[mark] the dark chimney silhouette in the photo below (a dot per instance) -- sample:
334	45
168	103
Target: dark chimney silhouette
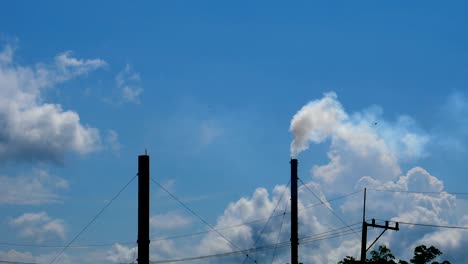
294	231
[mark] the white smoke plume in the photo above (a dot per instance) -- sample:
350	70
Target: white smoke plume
315	122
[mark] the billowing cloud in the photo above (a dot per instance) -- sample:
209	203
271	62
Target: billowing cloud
120	253
39	226
39	187
31	129
361	154
365	151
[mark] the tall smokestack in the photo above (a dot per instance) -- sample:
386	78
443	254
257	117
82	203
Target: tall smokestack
294	231
143	209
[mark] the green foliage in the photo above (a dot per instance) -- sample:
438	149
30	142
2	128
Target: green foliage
423	255
349	260
383	255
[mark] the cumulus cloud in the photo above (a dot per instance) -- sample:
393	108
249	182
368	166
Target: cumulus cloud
367	151
31	129
39	187
120	253
361	154
128	83
39	226
159	250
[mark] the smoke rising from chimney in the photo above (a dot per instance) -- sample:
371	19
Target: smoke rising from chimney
315	122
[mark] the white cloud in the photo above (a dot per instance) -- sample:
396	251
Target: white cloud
159	250
25	256
6	57
39	226
170	220
37	188
67	67
128	83
362	154
120	253
31	129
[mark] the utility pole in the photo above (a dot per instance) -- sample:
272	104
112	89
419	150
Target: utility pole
364	230
364	247
143	208
294	224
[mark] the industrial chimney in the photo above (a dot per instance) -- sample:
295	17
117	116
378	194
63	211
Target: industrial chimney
294	231
143	208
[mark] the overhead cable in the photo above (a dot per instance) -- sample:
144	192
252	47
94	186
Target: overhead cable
198	216
80	246
268	221
306	240
93	219
334	213
421	192
430	225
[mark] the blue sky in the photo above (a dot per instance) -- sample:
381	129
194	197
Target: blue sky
210	88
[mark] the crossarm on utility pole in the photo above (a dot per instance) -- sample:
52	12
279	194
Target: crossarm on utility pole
367	249
364	235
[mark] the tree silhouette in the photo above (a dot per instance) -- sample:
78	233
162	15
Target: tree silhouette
383	255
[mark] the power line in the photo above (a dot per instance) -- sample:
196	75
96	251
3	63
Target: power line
254	221
334	235
268	221
333	230
279	235
309	239
329	200
335	214
78	246
16	262
93	219
251	222
403	191
431	225
198	216
62	246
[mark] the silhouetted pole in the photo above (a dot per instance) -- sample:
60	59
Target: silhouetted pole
294	231
385	227
364	230
143	209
